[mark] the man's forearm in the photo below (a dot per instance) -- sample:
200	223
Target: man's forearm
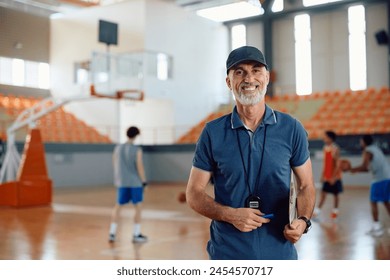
306	201
208	207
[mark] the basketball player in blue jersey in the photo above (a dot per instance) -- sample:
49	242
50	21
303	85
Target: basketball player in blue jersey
375	161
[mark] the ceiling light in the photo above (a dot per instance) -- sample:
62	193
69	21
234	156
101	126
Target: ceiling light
232	11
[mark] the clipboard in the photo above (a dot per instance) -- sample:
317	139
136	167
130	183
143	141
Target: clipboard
293	214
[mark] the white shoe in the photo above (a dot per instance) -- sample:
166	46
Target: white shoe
316	215
376	232
139	238
316	219
316	212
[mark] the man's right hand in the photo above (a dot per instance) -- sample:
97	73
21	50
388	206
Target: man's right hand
247	219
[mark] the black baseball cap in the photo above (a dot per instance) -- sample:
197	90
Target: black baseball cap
245	53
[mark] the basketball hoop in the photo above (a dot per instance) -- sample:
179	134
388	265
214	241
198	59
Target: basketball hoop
132	94
129	94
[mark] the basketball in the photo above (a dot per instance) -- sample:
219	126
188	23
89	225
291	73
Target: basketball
345	165
182	197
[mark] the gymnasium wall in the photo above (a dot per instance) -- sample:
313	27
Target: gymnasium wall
75	36
79	165
33	35
198	48
330	62
91	165
154	117
24	91
377	65
255	35
73	39
86	165
330	58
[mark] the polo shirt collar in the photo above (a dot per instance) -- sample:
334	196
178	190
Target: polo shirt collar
269	118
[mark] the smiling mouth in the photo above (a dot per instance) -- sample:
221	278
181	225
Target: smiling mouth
249	88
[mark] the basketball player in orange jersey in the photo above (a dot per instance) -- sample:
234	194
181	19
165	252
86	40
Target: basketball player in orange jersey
331	174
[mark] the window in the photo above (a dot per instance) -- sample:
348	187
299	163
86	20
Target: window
302	33
277	6
357	48
24	73
238	35
44	76
81	73
162	66
18	72
33	69
5	71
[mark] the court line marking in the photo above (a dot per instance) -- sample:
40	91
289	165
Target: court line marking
147	214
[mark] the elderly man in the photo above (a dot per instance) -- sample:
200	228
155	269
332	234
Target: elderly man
248	155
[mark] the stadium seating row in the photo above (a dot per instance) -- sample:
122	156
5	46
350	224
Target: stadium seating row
57	126
346	113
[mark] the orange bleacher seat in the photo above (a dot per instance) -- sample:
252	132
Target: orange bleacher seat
347	92
384	90
361	93
336	94
16	103
327	94
26	103
315	134
314	95
5	102
286	97
371	91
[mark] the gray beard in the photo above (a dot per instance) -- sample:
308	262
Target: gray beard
248	100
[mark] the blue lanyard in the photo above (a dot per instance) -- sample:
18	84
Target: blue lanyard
243	162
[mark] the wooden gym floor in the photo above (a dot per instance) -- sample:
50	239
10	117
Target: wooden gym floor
75	227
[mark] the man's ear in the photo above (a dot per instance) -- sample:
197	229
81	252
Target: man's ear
268	77
228	82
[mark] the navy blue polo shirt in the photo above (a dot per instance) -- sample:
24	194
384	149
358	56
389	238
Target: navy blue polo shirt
218	151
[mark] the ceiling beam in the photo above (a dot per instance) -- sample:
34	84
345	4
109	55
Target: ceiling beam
82	3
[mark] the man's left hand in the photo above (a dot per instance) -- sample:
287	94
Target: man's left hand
294	231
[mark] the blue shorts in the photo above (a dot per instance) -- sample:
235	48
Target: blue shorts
130	194
380	191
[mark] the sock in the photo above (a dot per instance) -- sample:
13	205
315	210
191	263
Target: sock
137	229
113	228
335	210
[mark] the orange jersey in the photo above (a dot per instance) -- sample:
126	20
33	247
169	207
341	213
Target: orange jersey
331	170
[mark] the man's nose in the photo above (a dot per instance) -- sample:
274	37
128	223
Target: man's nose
249	77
